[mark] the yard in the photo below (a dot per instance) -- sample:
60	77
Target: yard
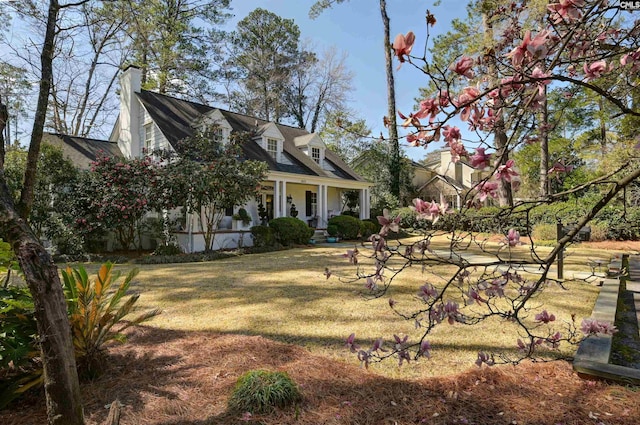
278	311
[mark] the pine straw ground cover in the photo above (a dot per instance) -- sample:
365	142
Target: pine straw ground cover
185	378
226	317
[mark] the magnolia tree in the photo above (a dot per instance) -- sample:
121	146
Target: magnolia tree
500	95
216	177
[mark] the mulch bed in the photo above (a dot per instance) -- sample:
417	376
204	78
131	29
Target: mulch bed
184	378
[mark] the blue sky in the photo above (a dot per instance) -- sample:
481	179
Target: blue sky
355	26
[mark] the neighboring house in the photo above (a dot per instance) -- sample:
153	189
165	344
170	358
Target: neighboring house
443	177
302	171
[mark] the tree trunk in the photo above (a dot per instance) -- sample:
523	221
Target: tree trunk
394	160
61	385
505	195
62	389
544	149
46	64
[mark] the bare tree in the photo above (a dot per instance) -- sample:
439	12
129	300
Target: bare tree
318	87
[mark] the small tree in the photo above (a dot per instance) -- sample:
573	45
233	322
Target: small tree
122	193
216	177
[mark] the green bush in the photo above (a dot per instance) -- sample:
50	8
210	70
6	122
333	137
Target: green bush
289	230
19	351
261	391
263	236
97	313
348	227
332	230
544	232
369	227
168	249
196	257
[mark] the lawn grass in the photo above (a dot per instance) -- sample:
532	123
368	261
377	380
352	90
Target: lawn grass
285	296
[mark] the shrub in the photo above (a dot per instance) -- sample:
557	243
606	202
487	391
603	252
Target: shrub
408	218
263	236
243	215
348	227
19	351
544	232
169	249
95	311
261	391
368	227
289	230
332	230
598	231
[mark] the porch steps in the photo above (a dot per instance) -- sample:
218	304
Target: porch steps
319	236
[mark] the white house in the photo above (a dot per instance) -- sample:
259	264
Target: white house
301	170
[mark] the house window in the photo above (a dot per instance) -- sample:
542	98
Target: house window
315	154
148	137
272	147
218	134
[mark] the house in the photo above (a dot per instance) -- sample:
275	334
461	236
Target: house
301	170
441	177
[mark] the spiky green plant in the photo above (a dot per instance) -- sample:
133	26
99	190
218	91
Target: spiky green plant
97	312
261	391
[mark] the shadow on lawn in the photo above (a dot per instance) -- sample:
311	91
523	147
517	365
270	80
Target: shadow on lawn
166	377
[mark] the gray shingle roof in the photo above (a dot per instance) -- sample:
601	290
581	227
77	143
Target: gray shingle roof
176	118
81	150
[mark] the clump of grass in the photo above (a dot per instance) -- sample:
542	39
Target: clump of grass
261	391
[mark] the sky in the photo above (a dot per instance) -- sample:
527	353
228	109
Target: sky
355	27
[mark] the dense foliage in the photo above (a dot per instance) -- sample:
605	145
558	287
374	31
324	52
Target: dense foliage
289	230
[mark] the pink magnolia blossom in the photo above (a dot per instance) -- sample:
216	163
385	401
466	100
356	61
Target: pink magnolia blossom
486	189
506	172
463	67
480	159
428	108
595	70
566	10
427	291
458	150
411	119
402	46
425	349
388	224
352	255
484	358
351	345
545	317
558	167
451	133
513	238
592	327
474	296
530	48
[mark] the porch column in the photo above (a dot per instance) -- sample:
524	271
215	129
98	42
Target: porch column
322	205
363	203
276	199
283	198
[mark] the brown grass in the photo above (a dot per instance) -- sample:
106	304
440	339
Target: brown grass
182	377
277	311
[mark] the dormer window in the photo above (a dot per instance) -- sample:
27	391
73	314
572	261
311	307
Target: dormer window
315	155
218	135
272	147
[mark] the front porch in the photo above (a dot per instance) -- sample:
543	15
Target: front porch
313	202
